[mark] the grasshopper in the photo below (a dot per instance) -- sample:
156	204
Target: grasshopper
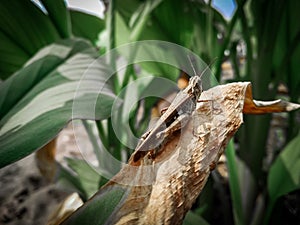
174	118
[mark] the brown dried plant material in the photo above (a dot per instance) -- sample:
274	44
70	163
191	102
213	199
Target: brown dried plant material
45	160
70	204
183	165
260	107
162	188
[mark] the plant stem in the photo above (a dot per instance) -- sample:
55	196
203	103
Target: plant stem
111	29
247	38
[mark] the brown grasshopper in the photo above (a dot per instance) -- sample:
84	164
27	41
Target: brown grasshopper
174	118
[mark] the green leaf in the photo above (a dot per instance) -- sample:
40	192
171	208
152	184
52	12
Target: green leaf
208	24
86	179
127	8
284	175
86	26
100	209
234	183
293	50
152	20
42	64
12	56
192	218
24	29
287	50
59	15
38	101
180	29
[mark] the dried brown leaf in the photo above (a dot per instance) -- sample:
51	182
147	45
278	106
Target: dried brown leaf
260	107
162	188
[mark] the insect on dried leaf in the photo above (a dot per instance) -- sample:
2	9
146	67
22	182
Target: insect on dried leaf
174	118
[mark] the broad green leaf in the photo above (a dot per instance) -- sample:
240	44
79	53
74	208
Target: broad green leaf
24	29
284	175
242	186
100	209
127	8
86	26
153	22
86	179
42	64
38	101
180	30
121	28
287	49
140	18
12	56
158	15
208	25
59	15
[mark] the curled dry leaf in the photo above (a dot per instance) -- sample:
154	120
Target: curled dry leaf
161	189
260	107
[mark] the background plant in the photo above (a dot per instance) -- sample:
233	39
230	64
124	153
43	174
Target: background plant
269	32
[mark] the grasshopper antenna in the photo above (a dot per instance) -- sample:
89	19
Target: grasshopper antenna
194	70
190	59
209	65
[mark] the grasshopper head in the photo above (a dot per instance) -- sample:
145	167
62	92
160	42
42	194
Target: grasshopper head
195	84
